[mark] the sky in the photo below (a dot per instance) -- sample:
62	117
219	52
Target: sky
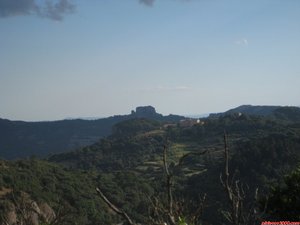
97	58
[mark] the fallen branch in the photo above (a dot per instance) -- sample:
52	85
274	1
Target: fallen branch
114	208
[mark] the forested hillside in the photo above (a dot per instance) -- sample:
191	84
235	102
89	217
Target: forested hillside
128	166
20	139
277	112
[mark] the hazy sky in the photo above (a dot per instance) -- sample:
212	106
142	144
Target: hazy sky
105	57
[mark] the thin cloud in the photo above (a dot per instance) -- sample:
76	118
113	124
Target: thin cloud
242	41
52	9
147	2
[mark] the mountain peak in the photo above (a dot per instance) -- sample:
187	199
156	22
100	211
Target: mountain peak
145	111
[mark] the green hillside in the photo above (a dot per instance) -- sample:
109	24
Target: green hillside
128	167
21	139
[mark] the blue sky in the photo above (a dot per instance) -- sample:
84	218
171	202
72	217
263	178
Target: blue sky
95	58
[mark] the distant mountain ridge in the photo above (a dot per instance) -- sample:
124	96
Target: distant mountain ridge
254	110
19	139
278	112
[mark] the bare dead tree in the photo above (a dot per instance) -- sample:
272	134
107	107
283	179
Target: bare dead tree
239	213
174	208
169	188
234	191
115	208
160	210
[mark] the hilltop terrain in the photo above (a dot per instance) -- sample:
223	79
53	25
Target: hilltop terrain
127	165
277	112
21	139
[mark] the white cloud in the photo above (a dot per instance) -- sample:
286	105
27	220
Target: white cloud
242	41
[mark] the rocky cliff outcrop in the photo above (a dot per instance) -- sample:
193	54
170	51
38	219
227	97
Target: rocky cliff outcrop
20	209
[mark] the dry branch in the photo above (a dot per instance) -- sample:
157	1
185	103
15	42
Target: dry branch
235	193
169	188
114	208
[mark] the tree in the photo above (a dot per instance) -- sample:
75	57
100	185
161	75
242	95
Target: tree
238	213
165	212
283	202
